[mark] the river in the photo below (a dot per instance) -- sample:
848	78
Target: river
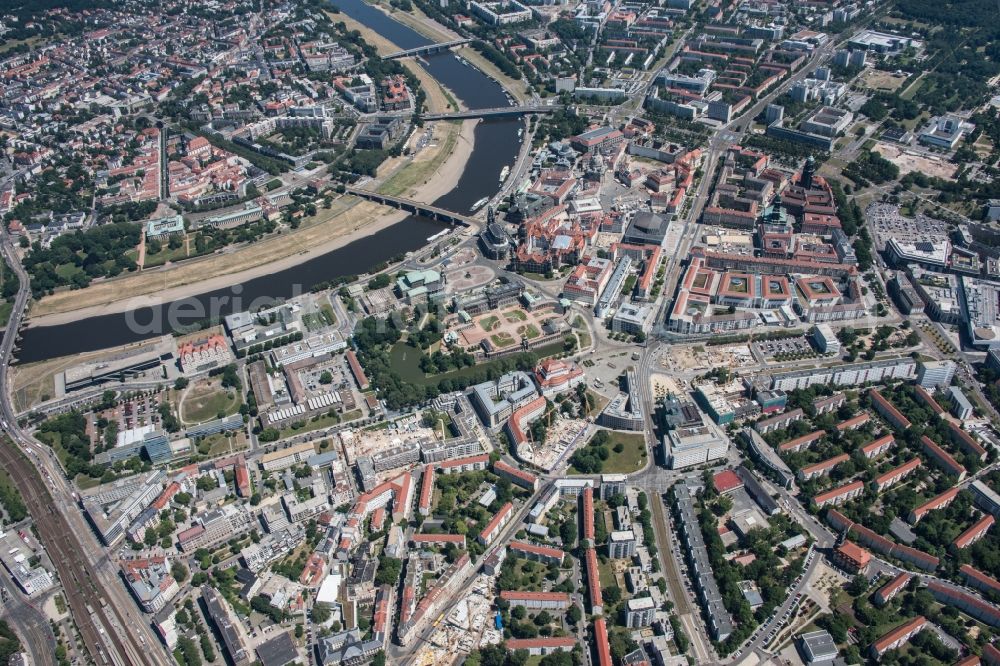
496	144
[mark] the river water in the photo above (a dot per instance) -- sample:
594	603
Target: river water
496	144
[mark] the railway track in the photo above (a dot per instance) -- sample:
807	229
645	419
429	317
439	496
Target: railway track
101	625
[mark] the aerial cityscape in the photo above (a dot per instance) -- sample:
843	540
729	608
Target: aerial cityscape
499	332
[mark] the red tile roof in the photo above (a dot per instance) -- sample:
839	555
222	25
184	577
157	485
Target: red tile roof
519	595
974	533
544	551
892	588
426	488
907	628
928	399
553	643
601	640
941	500
825	464
966	442
854	422
855	553
888	410
593	579
980	577
491	527
867	449
837	492
942	457
588	514
801	441
896	474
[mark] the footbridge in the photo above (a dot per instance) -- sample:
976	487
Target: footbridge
414	207
495	112
427	49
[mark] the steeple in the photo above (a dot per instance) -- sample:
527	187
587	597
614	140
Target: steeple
808	171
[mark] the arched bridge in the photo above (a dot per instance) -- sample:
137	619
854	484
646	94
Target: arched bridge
415	207
427	49
495	112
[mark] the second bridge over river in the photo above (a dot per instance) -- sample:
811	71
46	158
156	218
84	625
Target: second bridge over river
415	207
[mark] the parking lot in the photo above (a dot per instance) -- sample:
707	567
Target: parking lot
770	349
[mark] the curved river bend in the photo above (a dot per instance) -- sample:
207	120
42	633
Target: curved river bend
496	144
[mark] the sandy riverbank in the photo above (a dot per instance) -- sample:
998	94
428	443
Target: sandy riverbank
423	178
427	175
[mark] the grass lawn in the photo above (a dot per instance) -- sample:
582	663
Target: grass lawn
206	399
164	255
584	339
631	459
607	575
327	311
67	271
530	331
5	310
489	323
316	423
86	482
406	362
515	315
419	172
502	339
218	444
314	321
600	402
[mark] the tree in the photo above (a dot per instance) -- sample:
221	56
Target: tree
857	586
388	570
179	572
181	383
574	614
207	649
326	377
320	613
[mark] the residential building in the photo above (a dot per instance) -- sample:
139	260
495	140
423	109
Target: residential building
542	646
285	458
839	495
897	637
218	614
639	612
888	592
621	544
537	600
851	557
492	528
942	458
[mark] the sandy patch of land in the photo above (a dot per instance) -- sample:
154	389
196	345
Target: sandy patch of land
356	219
879	80
908	161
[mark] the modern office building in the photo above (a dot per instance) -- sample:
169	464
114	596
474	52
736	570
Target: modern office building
624	412
935	374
